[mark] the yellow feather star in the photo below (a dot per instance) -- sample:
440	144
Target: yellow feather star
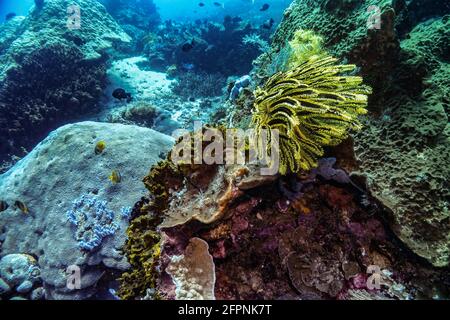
312	106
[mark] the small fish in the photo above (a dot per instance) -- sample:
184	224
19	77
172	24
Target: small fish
218	4
188	66
115	177
100	146
188	46
3	205
9	16
121	94
201	4
268	24
264	7
21	206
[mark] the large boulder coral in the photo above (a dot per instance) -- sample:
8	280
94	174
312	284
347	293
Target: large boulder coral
50	72
76	215
405	153
403	150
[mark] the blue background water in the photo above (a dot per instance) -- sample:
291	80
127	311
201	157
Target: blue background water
185	9
189	9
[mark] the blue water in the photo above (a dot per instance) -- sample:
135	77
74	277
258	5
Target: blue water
180	10
190	9
20	7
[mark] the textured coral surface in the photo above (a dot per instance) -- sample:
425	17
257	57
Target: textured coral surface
404	148
49	73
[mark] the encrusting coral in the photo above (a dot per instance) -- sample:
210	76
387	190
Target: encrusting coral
311	106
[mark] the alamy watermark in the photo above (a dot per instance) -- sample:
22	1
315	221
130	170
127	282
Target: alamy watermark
73	280
74	17
374	280
228	146
374	20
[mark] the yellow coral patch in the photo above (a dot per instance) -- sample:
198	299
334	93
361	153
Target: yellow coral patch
312	105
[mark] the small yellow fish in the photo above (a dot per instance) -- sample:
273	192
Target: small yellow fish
115	177
21	206
100	146
3	205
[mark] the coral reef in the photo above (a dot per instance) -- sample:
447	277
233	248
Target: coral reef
351	214
93	221
20	277
344	28
142	249
144	115
256	40
50	73
45	232
211	40
402	153
137	18
141	114
140	14
238	87
311	106
311	236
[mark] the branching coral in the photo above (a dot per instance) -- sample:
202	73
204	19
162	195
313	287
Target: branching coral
311	106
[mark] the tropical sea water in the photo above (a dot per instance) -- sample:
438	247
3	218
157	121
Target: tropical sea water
181	10
248	9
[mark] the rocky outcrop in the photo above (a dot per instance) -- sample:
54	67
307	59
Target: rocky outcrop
49	72
71	202
136	17
403	150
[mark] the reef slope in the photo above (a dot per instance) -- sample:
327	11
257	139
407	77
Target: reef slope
403	150
50	73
